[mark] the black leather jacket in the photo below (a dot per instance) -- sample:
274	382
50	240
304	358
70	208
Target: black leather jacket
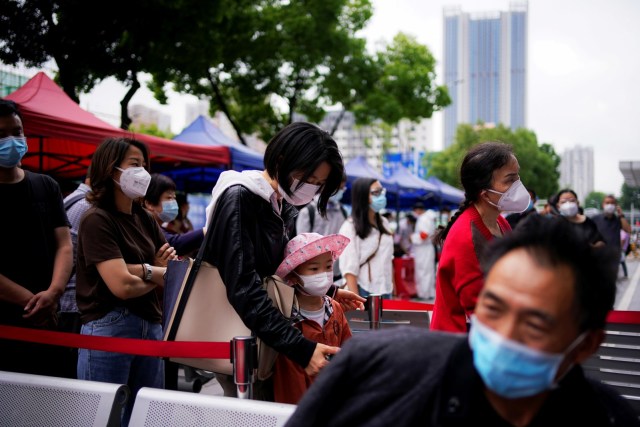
247	245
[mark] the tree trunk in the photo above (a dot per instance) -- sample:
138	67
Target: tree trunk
125	120
338	120
223	106
67	81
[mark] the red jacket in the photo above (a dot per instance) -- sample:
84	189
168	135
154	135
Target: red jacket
459	278
290	381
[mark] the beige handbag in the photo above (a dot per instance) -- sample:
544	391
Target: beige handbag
284	299
202	312
197	309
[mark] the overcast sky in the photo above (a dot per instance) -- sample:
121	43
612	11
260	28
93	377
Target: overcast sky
584	73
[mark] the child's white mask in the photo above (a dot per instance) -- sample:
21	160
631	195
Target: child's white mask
316	284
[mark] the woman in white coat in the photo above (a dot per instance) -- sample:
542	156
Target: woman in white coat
367	261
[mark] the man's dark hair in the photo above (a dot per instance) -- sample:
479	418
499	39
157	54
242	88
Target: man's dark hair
557	243
9	108
301	147
157	186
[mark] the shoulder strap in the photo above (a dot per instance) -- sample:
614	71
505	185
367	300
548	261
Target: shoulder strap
73	200
36	183
374	252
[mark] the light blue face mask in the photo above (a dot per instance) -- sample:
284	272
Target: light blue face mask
169	211
378	202
510	369
12	149
338	196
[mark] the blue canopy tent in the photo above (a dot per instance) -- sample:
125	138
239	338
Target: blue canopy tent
411	189
203	131
450	196
359	168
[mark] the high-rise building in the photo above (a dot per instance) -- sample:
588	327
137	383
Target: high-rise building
143	115
576	171
485	67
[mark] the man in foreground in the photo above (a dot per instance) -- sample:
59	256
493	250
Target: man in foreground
540	314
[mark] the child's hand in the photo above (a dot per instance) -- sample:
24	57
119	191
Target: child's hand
349	300
319	358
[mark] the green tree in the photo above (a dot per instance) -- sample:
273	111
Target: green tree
90	41
267	60
593	200
629	195
538	163
151	129
396	83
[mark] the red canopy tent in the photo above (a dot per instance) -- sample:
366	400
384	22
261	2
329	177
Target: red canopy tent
62	136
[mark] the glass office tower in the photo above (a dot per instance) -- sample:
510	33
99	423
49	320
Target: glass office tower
485	68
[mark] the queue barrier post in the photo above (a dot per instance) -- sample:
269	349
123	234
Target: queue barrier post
244	356
374	308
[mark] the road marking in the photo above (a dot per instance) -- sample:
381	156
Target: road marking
625	302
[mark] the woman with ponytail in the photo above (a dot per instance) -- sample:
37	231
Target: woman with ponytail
491	181
367	261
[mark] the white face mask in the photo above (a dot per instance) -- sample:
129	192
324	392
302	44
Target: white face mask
300	196
515	199
568	209
134	182
609	208
316	285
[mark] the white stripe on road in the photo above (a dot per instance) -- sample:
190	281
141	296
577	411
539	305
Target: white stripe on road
625	302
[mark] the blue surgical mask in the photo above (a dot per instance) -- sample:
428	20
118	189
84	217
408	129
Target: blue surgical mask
338	196
378	202
510	369
12	149
169	211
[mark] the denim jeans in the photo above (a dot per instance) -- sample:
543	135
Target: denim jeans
364	293
134	371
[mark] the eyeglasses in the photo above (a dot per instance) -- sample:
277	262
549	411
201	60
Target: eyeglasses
378	192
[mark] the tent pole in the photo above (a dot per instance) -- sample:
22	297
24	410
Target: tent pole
41	159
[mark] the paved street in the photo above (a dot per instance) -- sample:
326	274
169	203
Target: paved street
628	295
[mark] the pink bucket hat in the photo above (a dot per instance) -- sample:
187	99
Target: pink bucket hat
306	246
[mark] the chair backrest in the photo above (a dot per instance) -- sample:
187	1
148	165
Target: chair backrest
617	361
36	400
154	407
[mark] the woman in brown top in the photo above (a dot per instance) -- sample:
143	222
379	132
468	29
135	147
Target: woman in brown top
122	255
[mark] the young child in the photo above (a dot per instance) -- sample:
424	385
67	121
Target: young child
308	267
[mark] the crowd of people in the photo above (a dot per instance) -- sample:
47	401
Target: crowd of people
520	297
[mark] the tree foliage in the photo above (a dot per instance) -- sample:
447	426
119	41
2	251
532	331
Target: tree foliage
260	62
593	200
538	163
90	41
151	129
395	83
628	196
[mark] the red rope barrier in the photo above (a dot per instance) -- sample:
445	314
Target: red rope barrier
397	304
184	349
627	317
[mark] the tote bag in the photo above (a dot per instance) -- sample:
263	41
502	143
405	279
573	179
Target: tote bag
196	308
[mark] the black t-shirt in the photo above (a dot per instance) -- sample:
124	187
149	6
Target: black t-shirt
31	210
588	229
105	235
609	227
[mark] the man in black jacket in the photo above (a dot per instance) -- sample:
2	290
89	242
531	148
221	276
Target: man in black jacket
540	314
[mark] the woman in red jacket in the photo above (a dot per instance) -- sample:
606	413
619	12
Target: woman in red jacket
491	181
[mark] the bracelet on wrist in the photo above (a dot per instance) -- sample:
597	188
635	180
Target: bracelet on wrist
144	271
